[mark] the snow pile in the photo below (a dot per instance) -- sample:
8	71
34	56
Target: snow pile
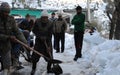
104	57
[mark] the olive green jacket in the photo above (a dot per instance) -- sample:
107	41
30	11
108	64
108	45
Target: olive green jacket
8	27
59	26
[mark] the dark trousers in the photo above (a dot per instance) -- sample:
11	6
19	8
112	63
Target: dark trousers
60	37
78	39
27	36
54	42
41	48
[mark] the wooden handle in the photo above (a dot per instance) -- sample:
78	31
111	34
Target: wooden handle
29	48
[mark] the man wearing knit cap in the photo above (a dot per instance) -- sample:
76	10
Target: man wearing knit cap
43	32
8	33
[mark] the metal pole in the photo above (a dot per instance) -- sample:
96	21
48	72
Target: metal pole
88	10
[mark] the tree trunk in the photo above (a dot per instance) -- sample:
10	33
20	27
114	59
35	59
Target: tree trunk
115	22
112	25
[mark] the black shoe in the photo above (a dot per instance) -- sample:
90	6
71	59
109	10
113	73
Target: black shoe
29	60
75	58
62	51
49	71
19	67
57	51
80	56
1	70
32	72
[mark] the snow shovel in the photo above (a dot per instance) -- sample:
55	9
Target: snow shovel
29	48
56	67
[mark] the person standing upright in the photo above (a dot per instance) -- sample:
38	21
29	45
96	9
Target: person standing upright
78	22
59	29
53	19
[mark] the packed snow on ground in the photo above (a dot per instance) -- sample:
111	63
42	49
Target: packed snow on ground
100	57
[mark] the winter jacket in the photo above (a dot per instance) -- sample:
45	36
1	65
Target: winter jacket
43	32
52	19
59	26
41	29
8	28
78	22
26	25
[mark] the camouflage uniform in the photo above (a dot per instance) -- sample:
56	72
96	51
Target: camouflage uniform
8	27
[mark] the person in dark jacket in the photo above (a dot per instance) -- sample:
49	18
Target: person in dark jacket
26	26
78	22
59	29
53	19
43	32
7	28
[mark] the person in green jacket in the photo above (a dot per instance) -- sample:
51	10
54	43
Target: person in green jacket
78	22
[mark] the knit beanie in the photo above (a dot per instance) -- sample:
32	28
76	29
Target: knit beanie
4	7
44	13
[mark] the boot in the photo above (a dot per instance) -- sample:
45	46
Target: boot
6	72
75	58
49	70
33	68
32	72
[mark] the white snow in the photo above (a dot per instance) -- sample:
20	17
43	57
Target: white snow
100	56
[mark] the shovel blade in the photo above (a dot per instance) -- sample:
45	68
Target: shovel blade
55	61
57	70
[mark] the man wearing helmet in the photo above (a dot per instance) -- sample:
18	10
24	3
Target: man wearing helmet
8	33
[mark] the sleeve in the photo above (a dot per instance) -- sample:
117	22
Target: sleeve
54	27
78	20
4	37
65	25
73	20
49	38
19	35
35	29
21	24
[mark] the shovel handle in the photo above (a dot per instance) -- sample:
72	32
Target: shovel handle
29	48
49	51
